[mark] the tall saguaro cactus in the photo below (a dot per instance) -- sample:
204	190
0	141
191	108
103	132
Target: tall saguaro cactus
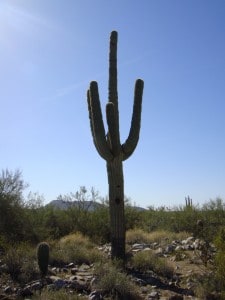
109	146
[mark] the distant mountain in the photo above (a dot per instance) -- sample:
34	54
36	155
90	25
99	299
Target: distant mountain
85	205
138	208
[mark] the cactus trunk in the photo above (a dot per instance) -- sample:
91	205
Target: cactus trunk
116	207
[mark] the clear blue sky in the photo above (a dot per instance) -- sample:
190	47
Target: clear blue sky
49	52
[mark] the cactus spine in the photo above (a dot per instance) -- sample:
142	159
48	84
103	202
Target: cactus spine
109	146
43	257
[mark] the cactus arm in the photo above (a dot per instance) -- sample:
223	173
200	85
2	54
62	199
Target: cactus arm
113	137
90	117
112	86
113	95
97	126
132	140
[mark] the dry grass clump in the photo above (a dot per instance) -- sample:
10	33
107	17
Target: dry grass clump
145	261
137	236
75	238
113	283
74	248
160	236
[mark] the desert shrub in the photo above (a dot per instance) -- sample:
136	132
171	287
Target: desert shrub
220	258
207	287
97	225
160	236
13	260
76	239
21	263
137	236
145	261
74	248
114	283
4	245
133	217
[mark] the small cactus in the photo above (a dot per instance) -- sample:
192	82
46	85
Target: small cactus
43	257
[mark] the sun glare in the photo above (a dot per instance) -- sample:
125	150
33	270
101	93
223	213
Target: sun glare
17	23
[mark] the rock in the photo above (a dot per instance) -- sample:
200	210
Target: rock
25	292
144	290
74	271
154	295
155	245
95	295
84	268
159	251
169	249
58	283
70	265
36	285
8	290
176	297
179	248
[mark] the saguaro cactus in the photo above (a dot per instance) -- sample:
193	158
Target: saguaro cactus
109	146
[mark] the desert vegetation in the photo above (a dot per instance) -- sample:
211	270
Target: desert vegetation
42	244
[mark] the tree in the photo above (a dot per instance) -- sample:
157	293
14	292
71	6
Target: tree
11	203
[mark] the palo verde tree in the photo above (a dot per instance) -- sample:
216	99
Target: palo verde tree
109	146
12	222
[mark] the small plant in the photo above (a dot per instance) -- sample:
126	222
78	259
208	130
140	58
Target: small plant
114	283
13	260
43	257
57	295
145	261
207	287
